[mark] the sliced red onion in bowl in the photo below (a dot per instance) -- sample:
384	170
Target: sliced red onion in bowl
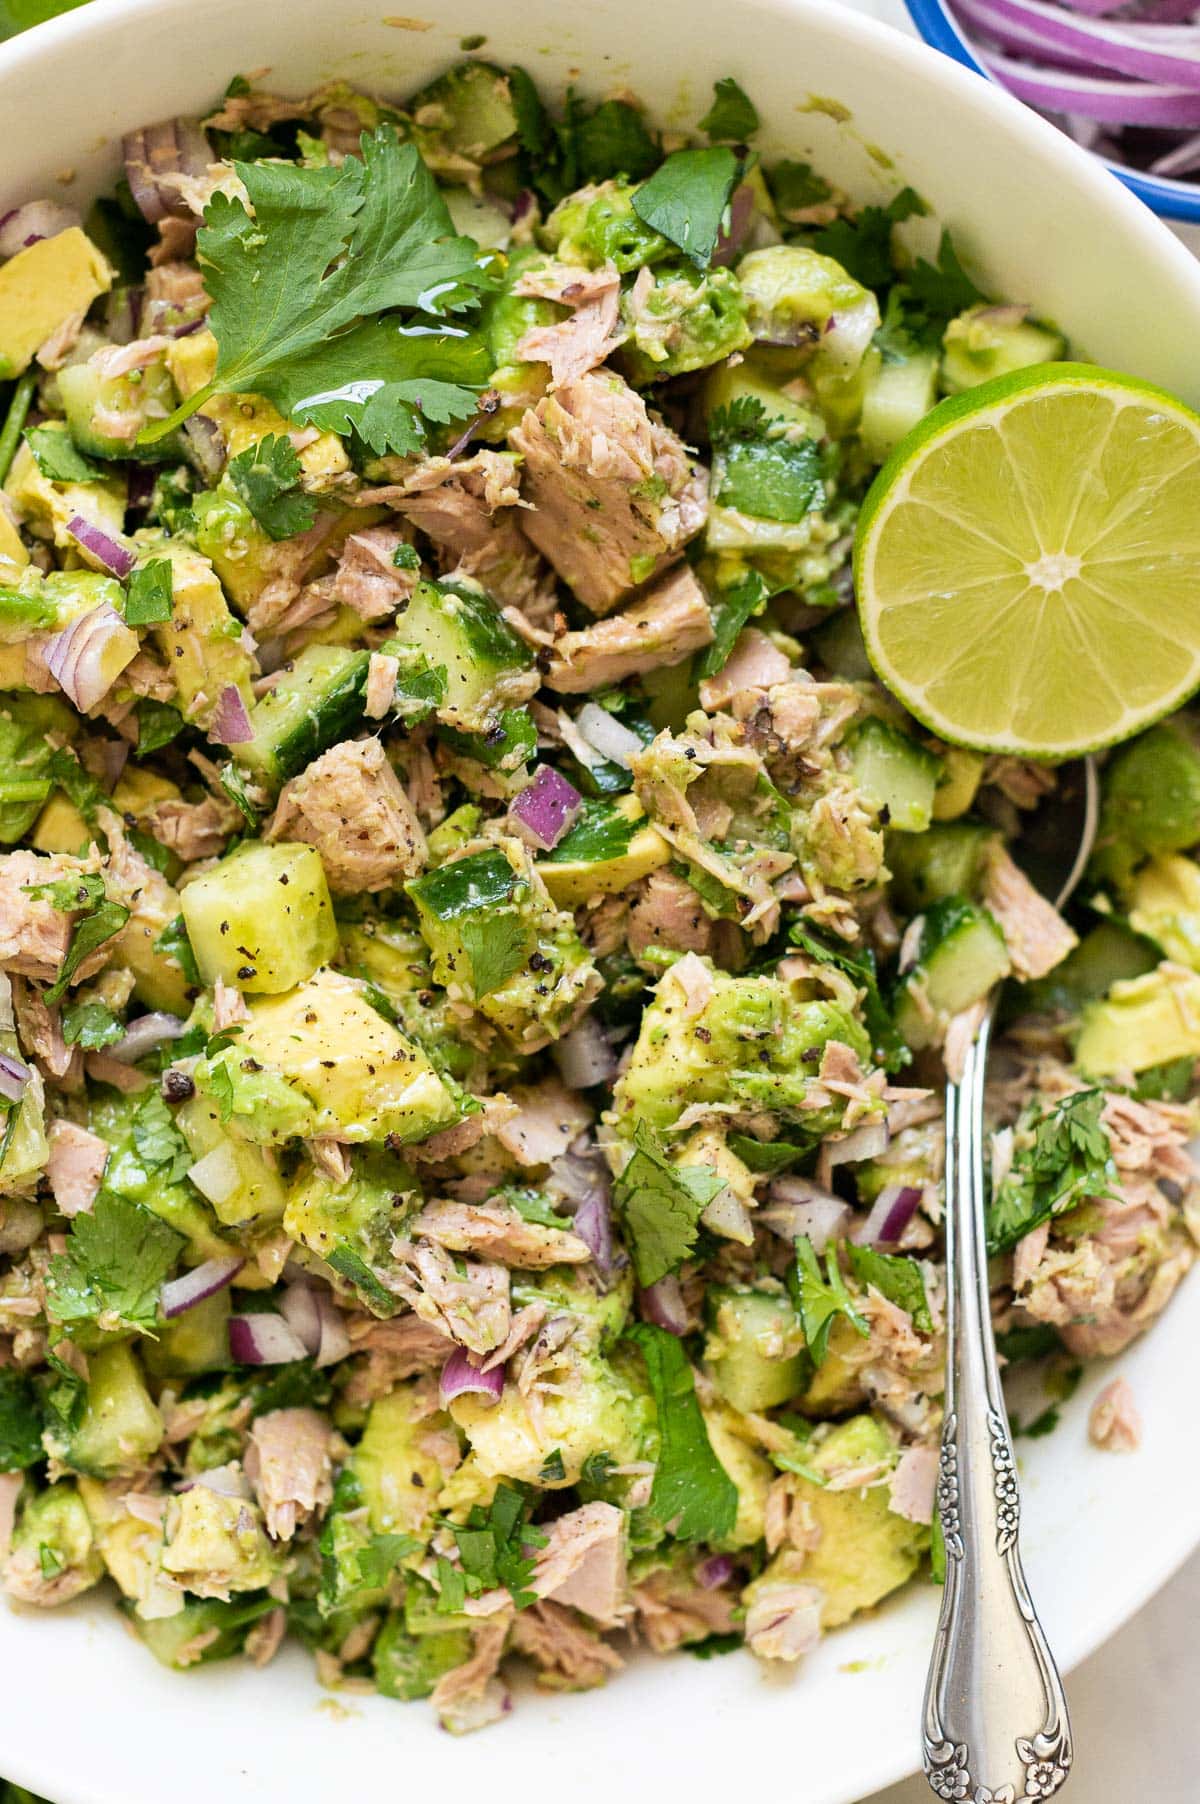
144	1035
334	1343
606	733
663	1305
890	1214
460	1377
30	223
585	1056
263	1340
194	1286
155	153
87	657
1151	53
231	718
116	557
300	1310
1112	102
864	1142
545	809
13	1077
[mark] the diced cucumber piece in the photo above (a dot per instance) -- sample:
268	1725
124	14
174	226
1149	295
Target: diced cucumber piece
896	398
963	955
239	1181
895	774
989	341
1110	953
262	920
487	666
139	398
121	1428
317	702
469	108
205	1629
838	643
761	376
756	1350
611	846
196	1341
409	1666
461	906
947	860
508	743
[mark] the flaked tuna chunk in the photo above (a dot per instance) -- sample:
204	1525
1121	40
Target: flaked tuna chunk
1038	937
583	1562
1115	1422
288	1463
575	345
76	1166
615	496
754	665
666	912
469	509
668	623
34	935
568	1656
350	805
496	1231
366	580
192	829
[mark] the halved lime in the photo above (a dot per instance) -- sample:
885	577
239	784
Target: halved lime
1028	562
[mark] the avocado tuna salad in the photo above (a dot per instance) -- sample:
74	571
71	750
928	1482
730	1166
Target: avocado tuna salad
480	954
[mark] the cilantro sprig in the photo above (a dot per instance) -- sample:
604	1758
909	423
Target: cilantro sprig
692	1494
113	1269
1063	1157
661	1205
97	919
820	1301
686	198
266	476
300	278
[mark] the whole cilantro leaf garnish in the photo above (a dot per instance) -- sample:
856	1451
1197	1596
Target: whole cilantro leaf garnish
58	458
943	288
157	1141
692	1493
686	198
266	475
113	1269
497	947
1063	1157
319	254
743	417
736	605
150	597
821	1300
733	116
661	1205
91	1025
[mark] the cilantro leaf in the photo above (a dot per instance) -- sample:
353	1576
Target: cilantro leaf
896	1277
323	251
20	1422
77	784
493	1546
686	197
265	476
382	1554
613	141
736	605
383	385
820	1301
944	288
732	116
858	963
405	557
497	947
796	187
692	1495
863	246
157	1141
771	479
173	943
158	724
150	597
97	919
90	1025
58	458
553	1471
116	1260
221	1087
1063	1156
661	1205
743	417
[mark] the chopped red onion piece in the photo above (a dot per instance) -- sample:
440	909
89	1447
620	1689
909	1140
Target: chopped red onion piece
301	1311
156	153
193	1287
545	809
231	720
1183	160
79	658
460	1377
741	213
117	558
865	1142
604	731
334	1343
891	1213
205	445
585	1056
523	204
584	1186
144	1034
13	1077
728	1216
263	1340
463	440
663	1304
798	1206
36	220
715	1571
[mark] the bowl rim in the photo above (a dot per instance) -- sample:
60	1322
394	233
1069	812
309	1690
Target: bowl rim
941	31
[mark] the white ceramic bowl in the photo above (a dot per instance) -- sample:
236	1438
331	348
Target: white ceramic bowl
88	1717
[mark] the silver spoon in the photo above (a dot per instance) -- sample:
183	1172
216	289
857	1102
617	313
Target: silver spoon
996	1728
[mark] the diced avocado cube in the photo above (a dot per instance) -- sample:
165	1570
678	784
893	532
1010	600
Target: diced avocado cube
895	775
25	754
611	846
1164	904
261	920
195	1342
409	1666
14	557
487	666
962	956
603	1410
202	643
351	1226
121	1428
240	1181
755	1349
46	507
598	225
54	1540
110	1115
1143	1021
988	341
958	785
759	1048
946	861
41	287
688	320
27	1149
762	376
400	1476
792	294
1150	800
896	398
364	1081
214	1544
316	703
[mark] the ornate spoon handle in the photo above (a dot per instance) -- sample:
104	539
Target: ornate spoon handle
996	1728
